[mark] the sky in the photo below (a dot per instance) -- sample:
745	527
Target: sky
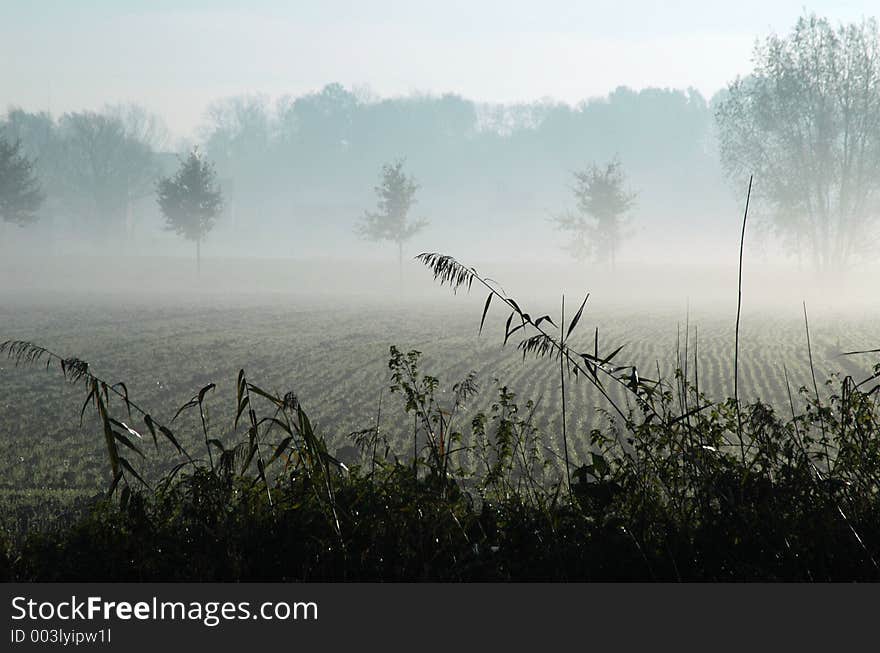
176	57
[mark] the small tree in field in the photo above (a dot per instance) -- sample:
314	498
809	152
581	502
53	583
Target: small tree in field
396	197
191	200
602	205
20	192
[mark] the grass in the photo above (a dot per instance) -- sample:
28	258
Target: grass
450	480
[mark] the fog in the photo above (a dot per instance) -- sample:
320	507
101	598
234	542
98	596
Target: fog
462	290
496	174
298	176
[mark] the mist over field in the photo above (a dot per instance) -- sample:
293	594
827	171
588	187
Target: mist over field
506	187
238	217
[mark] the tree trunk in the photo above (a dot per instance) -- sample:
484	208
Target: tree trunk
5	238
400	263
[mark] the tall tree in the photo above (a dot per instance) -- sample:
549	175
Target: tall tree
20	192
240	139
390	221
190	200
806	123
141	125
41	143
149	131
105	168
602	206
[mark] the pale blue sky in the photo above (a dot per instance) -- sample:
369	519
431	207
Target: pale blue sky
175	57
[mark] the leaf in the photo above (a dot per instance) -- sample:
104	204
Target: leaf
281	447
608	358
507	327
596	345
275	400
192	403
512	331
168	434
124	397
116	478
131	470
125	426
277	422
333	461
149	422
128	443
205	391
855	353
86	405
485	310
544	318
241	406
239	387
110	441
576	317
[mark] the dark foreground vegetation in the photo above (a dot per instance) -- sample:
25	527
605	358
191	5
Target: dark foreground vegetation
678	487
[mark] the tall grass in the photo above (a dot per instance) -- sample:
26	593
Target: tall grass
676	485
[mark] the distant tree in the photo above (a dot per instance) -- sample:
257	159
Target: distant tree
320	123
150	132
306	156
238	135
240	139
40	142
141	125
20	191
390	222
602	204
806	123
105	168
191	200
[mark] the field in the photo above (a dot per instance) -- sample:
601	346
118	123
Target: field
668	488
334	355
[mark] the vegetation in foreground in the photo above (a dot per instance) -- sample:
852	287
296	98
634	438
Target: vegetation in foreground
677	487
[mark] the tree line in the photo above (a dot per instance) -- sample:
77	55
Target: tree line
805	122
313	161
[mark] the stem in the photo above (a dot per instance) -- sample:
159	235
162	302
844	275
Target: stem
400	264
562	380
816	390
742	241
376	436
